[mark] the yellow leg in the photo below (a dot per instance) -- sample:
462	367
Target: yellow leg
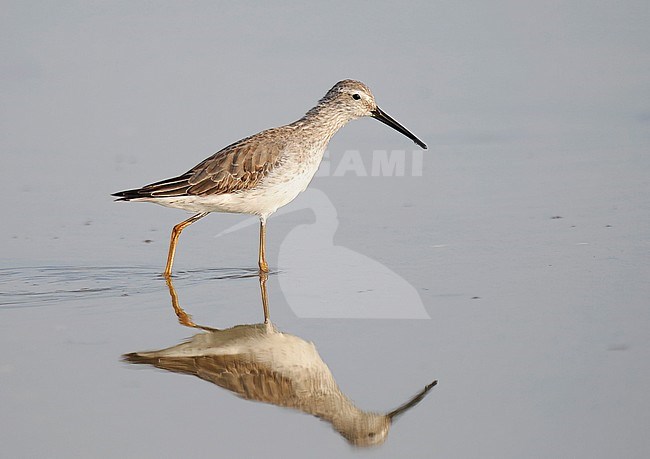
265	298
264	267
176	232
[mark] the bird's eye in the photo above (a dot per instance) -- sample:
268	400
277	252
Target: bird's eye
356	96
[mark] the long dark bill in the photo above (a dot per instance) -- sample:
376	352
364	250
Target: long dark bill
411	403
380	115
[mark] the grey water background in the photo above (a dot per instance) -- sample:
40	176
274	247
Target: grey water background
527	236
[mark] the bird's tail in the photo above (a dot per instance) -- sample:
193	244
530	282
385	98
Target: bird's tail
128	195
175	186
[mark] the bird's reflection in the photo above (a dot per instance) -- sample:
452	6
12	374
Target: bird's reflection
259	362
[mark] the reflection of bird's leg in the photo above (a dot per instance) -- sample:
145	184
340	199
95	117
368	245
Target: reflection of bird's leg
176	232
265	298
264	267
183	317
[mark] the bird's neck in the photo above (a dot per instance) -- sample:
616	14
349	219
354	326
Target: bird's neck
333	407
323	121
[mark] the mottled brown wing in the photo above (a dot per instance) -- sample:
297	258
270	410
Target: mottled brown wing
249	380
239	166
237	374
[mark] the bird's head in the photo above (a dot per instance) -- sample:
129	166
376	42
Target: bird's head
356	100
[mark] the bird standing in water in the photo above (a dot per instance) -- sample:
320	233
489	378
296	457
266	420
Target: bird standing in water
263	172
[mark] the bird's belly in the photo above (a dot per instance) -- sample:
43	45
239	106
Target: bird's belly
275	192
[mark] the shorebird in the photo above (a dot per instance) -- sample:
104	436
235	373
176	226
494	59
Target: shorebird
263	172
258	362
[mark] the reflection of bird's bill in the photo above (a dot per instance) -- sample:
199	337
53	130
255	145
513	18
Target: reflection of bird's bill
411	403
382	116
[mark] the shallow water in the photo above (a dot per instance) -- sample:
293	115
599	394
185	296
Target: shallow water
511	265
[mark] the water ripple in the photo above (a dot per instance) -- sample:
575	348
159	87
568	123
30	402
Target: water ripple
46	285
